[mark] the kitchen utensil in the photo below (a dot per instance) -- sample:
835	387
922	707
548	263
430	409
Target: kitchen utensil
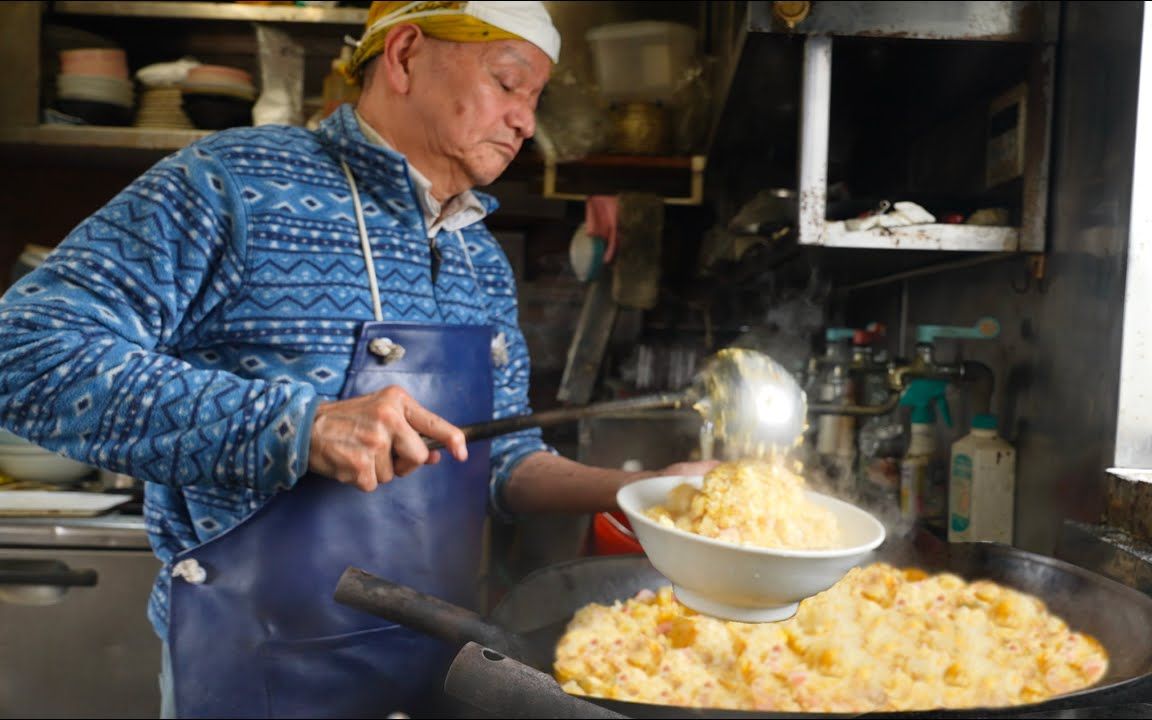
753	403
737	582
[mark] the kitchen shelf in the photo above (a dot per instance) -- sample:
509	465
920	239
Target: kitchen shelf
216	11
678	179
85	136
947	159
974	238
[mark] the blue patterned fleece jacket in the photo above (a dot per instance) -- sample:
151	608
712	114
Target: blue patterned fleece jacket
185	332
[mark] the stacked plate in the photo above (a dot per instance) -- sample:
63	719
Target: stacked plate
94	86
160	107
22	460
216	97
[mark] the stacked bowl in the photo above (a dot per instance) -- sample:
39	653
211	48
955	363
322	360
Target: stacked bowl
94	85
21	460
216	97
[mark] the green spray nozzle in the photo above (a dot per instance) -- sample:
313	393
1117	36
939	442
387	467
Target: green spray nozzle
984	329
838	334
921	395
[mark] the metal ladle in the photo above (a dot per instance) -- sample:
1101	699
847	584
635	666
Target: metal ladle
752	402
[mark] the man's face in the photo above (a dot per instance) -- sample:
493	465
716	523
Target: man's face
478	102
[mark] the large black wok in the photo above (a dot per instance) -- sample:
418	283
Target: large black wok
530	619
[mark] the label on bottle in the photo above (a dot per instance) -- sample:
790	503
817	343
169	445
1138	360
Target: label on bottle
961	510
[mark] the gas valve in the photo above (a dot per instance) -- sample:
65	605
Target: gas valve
791	13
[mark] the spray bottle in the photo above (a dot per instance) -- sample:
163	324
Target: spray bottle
924	480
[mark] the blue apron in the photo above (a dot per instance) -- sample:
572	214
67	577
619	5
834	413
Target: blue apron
254	631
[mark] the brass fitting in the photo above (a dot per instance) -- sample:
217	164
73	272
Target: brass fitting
791	13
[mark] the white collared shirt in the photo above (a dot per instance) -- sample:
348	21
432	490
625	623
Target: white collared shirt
459	212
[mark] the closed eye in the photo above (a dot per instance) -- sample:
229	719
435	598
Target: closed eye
506	83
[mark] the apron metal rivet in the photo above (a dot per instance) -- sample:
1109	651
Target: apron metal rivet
190	570
386	350
499	350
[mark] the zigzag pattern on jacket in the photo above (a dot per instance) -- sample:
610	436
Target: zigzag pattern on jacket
184	333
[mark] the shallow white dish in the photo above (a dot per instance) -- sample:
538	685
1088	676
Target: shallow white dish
735	582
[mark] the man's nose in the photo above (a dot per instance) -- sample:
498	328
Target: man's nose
522	118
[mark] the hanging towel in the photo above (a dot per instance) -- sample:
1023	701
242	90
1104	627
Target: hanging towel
600	220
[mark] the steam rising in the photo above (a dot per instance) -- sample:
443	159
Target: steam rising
755	409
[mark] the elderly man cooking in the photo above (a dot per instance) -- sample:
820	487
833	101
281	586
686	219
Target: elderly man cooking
262	327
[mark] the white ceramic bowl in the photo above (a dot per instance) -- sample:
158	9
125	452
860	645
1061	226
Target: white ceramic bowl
734	582
23	460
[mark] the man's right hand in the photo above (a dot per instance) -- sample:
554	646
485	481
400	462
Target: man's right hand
371	439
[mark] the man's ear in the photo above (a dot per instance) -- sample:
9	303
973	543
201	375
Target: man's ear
401	44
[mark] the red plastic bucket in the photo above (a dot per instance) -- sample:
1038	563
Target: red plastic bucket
612	535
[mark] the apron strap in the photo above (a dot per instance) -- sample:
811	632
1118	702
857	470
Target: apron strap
384	348
365	246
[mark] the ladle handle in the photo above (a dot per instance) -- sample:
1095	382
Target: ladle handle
494	428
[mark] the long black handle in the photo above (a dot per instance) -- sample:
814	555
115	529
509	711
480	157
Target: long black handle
501	687
493	428
45	572
430	615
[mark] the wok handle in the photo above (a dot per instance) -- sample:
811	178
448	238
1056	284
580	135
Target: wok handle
505	688
430	615
493	428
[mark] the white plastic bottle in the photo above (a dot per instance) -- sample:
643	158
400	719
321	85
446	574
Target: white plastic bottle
916	465
982	485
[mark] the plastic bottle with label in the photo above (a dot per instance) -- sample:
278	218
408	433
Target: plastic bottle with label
923	479
982	485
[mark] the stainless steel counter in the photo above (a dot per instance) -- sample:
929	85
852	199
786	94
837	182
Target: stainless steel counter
114	530
78	649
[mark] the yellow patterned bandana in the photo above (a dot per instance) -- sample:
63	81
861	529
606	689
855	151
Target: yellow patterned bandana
457	22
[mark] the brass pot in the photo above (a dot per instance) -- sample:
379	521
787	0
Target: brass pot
640	128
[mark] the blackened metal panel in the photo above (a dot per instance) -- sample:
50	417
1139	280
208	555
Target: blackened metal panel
1010	21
